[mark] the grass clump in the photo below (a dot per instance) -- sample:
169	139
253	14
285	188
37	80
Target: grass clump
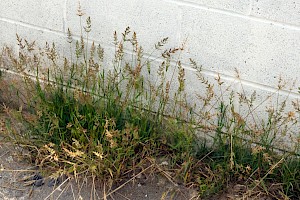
84	115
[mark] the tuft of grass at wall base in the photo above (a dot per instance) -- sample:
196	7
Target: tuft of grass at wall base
84	117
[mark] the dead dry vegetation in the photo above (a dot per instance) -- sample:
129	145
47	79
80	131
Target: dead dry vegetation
112	123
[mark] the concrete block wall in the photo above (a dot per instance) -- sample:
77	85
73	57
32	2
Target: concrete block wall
258	38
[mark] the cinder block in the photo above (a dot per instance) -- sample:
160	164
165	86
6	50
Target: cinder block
260	51
151	20
238	6
7	34
287	11
48	13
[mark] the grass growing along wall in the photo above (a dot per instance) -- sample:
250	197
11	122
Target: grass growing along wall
83	117
89	112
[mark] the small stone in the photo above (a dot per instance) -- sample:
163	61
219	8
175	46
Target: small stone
139	176
164	163
9	159
39	183
37	177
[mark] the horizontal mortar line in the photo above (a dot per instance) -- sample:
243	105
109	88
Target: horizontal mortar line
24	24
91	40
226	77
269	88
235	14
248	83
39	28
